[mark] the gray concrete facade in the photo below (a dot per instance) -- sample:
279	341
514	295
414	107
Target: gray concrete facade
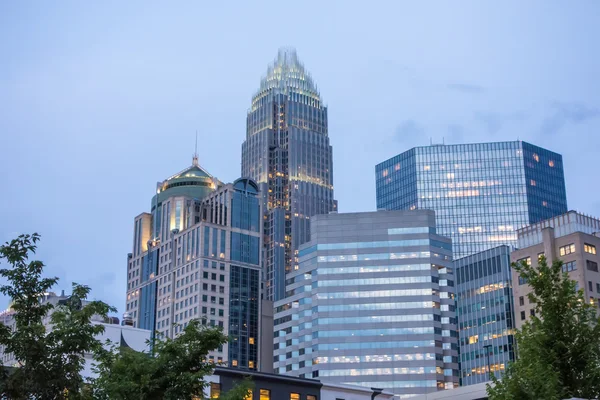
371	304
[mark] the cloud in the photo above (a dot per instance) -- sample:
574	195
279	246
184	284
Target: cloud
408	130
466	88
564	113
493	122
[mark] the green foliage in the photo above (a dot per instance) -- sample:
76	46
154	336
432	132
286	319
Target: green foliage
49	363
558	349
240	391
175	371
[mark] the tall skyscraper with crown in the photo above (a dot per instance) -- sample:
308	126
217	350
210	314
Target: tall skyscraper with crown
287	152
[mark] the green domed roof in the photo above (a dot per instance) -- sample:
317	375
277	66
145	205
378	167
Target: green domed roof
195	171
194	181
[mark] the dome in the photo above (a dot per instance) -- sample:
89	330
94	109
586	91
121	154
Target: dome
194	181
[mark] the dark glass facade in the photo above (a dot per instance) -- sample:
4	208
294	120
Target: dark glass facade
244	300
148	292
481	193
287	152
485	314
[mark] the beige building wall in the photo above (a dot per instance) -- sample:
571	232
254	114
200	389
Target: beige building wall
579	253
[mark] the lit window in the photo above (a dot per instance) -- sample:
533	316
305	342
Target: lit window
540	255
532	183
265	394
526	260
427	168
536	157
568	249
250	364
251	340
589	248
311	397
215	390
294	396
248	395
545	203
234	363
551	163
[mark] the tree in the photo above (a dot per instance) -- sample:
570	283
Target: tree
175	371
49	363
559	348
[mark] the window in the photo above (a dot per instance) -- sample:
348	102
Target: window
521	301
265	394
251	340
598	287
540	255
589	248
234	363
248	395
250	364
522	281
570	266
592	301
526	260
311	397
591	265
568	249
522	315
294	396
532	312
215	390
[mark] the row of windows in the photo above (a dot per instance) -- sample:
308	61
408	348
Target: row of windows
381	371
568	249
376	332
379	358
485	320
376	256
378	281
323	270
378	306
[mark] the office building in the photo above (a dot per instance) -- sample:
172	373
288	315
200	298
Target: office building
485	314
481	193
197	255
287	152
571	238
371	304
281	387
121	336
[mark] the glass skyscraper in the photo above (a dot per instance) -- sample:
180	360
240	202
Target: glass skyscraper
485	314
372	304
287	152
481	193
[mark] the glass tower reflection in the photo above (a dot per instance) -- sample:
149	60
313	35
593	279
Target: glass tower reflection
481	193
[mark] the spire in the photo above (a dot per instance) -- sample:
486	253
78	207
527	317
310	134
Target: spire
195	158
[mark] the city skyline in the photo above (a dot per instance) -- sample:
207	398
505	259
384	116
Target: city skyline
87	109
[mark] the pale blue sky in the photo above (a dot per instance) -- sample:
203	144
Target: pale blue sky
99	101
